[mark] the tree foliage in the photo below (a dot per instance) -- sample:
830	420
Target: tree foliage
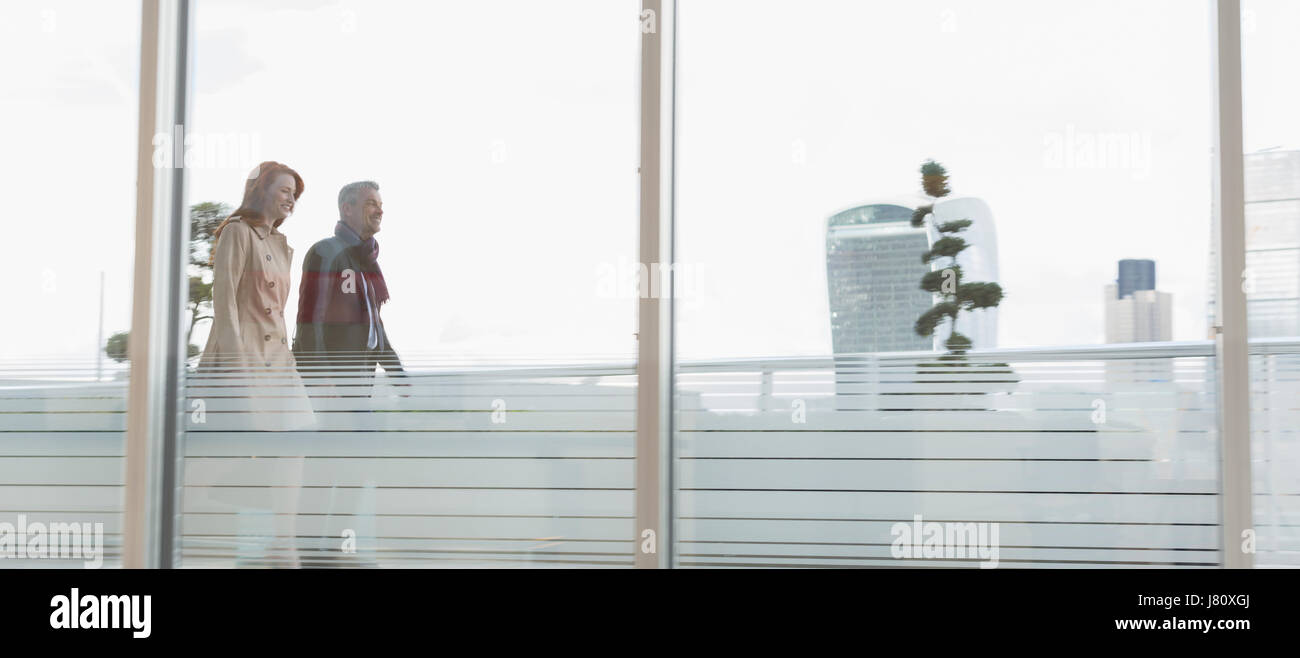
929	320
204	219
945	247
934	280
979	295
919	215
115	348
955	226
945	278
934	179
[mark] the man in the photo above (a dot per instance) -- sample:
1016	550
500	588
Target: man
339	327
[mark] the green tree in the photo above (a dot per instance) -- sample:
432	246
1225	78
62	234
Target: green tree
944	280
115	348
204	219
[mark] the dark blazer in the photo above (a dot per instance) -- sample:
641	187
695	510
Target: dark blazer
333	322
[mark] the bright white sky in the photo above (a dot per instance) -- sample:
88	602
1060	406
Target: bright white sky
503	135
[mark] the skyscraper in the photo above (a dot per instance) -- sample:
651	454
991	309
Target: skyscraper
1272	277
1135	311
1145	316
1135	274
874	270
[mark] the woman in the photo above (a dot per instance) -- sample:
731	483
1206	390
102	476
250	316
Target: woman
250	267
248	346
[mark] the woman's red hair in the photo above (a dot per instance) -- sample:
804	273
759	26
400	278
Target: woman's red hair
255	192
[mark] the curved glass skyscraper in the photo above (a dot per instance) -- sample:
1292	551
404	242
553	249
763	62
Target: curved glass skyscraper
874	270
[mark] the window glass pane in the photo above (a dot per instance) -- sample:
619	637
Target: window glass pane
1271	104
501	136
69	105
812	416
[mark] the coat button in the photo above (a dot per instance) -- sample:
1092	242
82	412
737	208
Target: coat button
268	256
284	341
271	284
268	310
267	337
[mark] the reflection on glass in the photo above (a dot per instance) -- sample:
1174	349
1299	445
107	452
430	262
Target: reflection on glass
69	106
1271	105
866	366
469	369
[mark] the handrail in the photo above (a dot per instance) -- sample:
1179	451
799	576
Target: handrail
626	367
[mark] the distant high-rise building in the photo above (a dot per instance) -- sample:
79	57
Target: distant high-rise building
1135	311
1136	274
874	270
1272	277
1143	317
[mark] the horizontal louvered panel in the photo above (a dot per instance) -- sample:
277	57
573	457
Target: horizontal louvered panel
848	554
1275	449
94	421
1057	534
359	444
526	472
521	472
424	421
1090	461
61	405
751	561
369	546
618	401
61	454
222	559
429	480
1065	403
112	520
71	497
947	475
964	506
482	501
97	444
383	524
507	468
62	469
958	421
944	445
382	394
111	561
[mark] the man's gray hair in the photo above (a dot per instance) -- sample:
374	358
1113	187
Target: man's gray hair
349	191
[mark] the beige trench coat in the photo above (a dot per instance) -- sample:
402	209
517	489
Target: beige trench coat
248	344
